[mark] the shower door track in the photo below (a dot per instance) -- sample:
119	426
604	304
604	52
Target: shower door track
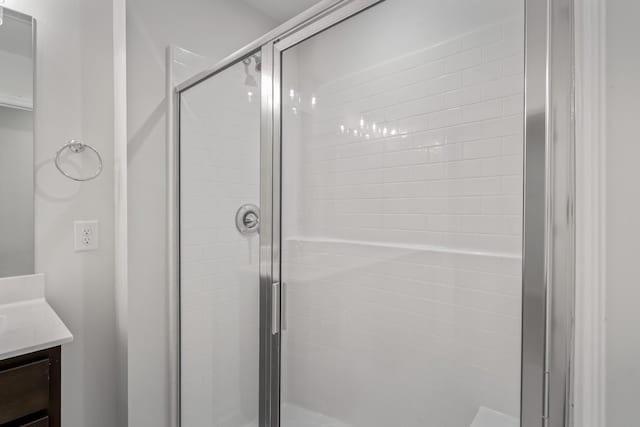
548	225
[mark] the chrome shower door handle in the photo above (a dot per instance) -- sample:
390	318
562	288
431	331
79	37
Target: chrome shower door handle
275	308
283	306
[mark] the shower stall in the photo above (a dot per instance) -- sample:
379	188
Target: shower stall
372	215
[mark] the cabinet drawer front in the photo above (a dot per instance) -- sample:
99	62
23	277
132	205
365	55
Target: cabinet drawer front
24	390
42	422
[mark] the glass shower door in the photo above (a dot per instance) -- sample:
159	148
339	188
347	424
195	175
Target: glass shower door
401	203
219	248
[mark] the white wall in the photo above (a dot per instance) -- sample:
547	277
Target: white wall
214	29
74	100
623	206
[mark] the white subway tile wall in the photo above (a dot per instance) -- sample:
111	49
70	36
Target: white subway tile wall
219	287
381	335
426	148
402	232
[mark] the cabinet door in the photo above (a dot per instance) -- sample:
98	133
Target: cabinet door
24	390
42	422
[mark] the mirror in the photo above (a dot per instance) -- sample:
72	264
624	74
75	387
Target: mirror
16	143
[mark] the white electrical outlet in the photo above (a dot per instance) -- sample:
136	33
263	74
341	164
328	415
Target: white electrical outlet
86	235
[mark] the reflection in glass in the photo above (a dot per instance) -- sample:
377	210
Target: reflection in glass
16	145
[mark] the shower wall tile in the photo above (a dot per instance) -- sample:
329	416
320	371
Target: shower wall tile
219	159
444	124
402	226
431	321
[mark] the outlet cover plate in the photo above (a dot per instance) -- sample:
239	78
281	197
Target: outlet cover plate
86	235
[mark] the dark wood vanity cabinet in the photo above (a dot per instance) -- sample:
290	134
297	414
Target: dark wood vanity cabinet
30	390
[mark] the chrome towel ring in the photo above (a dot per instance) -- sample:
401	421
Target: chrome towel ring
76	146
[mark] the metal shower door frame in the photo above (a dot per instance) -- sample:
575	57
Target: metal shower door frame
272	150
269	359
548	224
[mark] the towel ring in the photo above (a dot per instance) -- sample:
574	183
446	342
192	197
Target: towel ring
76	146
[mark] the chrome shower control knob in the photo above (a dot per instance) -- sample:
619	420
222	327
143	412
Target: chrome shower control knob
248	219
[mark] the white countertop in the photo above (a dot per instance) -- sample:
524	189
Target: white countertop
27	321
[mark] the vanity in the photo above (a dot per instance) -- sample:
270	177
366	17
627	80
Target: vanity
30	389
31	336
31	333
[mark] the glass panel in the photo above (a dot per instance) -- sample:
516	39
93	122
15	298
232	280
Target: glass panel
402	217
219	286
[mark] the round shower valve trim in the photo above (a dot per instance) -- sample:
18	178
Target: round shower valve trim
248	219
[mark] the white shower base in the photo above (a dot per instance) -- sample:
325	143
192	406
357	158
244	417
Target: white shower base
296	416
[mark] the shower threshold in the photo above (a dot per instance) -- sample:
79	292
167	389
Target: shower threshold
297	416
